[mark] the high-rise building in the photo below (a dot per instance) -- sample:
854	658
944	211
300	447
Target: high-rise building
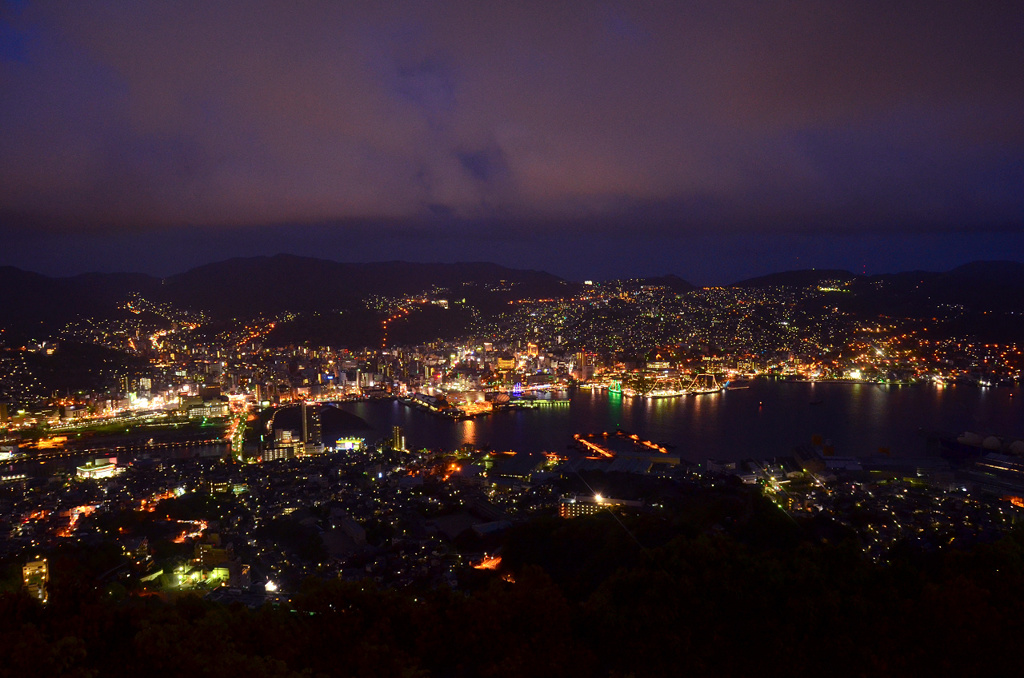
305	423
397	439
583	365
311	429
284	446
315	429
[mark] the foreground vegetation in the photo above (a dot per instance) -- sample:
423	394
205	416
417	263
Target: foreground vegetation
755	594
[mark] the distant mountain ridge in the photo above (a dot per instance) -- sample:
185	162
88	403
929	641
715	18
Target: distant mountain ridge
244	287
35	298
671	281
800	278
287	282
978	286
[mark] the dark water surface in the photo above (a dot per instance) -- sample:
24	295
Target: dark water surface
765	420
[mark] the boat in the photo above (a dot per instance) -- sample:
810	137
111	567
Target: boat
737	384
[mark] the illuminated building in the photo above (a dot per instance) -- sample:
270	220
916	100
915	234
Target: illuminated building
73	413
350	444
209	409
576	506
209	552
315	431
311	430
136	548
397	439
99	468
583	366
285	446
278	452
305	423
36	576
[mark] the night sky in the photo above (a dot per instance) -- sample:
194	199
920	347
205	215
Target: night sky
713	140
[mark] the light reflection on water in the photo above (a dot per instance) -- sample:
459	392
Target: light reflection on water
765	420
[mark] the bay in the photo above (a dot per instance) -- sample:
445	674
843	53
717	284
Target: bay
767	419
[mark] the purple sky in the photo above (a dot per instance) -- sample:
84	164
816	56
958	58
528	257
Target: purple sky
712	140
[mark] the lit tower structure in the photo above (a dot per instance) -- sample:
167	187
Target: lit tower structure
316	431
305	424
311	434
397	439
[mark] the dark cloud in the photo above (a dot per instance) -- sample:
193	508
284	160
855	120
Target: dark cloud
661	119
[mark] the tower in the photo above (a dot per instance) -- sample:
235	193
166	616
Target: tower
311	430
305	424
315	428
397	439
